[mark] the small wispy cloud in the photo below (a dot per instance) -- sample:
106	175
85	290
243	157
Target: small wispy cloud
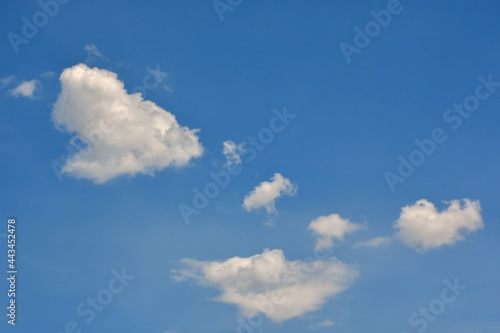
25	89
322	324
374	242
48	74
6	81
232	152
159	76
93	53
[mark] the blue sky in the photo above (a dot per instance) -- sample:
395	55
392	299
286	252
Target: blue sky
121	69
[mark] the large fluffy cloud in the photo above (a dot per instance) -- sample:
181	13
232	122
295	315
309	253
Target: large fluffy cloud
268	283
266	193
329	227
422	227
116	133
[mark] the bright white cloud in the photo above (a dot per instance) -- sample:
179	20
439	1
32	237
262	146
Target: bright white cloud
270	284
374	242
329	227
422	227
25	89
266	193
123	134
232	152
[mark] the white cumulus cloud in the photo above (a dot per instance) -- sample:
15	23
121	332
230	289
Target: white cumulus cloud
266	193
422	227
25	89
329	227
268	283
116	133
